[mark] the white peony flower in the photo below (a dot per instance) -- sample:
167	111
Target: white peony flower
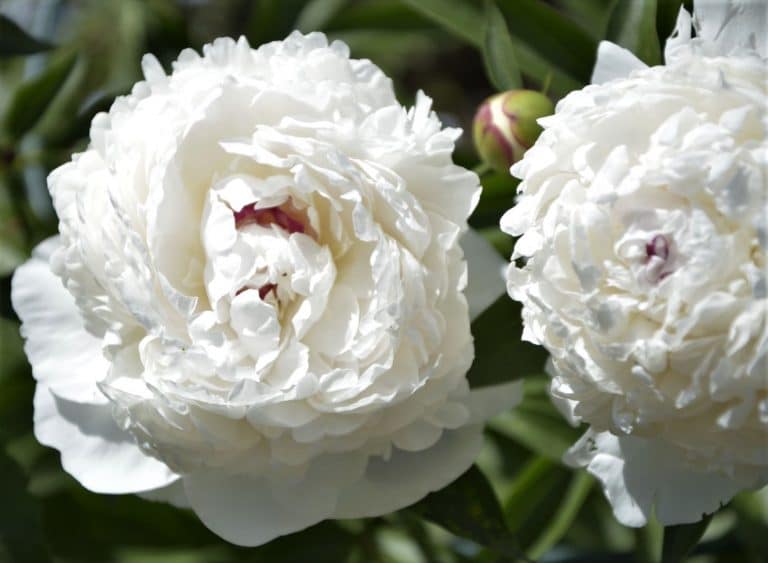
642	267
262	313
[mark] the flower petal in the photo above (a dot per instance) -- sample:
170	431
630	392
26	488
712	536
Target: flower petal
643	477
486	273
614	62
485	402
251	510
406	477
63	355
101	456
172	494
732	25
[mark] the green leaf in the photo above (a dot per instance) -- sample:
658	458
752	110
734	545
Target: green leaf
380	15
16	383
317	13
680	540
16	41
535	423
32	98
498	51
455	16
13	232
633	26
500	354
531	486
20	522
77	127
469	508
591	15
552	35
542	503
11	350
465	21
666	18
11	255
569	508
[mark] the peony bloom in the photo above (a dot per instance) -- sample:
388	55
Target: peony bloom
641	266
255	305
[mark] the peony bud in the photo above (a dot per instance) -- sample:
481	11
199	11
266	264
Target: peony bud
505	126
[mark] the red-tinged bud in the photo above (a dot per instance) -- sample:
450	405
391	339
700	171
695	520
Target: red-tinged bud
505	126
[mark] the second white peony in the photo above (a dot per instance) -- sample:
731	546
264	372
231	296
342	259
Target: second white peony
262	313
641	266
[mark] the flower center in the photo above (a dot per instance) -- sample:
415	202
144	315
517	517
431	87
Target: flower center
285	218
659	246
657	258
289	219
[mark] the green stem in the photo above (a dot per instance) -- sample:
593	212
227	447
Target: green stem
547	83
482	169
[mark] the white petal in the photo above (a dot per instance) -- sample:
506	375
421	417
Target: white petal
63	355
172	494
733	25
407	477
614	62
486	273
641	477
104	458
252	510
485	402
680	39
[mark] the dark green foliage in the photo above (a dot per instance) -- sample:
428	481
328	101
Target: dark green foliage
15	41
500	354
33	97
680	540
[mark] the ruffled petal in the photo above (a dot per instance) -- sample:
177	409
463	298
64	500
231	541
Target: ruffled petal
614	62
486	273
94	450
641	477
406	477
732	25
66	358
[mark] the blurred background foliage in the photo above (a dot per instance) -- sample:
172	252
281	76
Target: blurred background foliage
62	61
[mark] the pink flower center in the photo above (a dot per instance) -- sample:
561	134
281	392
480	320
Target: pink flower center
283	218
657	258
659	246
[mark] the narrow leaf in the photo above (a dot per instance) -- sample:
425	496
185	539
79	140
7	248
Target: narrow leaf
78	126
536	424
633	26
456	16
529	490
317	13
498	51
13	235
32	98
572	502
552	35
680	540
500	354
15	41
467	24
469	508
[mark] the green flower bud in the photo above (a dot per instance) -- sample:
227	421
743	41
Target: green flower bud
505	126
